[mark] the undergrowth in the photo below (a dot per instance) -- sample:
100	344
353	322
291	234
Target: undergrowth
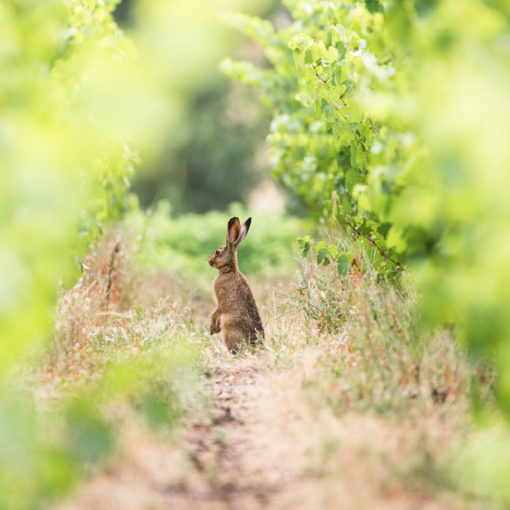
125	351
376	354
357	345
131	346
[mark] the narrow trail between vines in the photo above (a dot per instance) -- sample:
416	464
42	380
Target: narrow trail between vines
263	430
242	455
255	449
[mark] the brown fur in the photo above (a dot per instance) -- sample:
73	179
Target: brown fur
236	315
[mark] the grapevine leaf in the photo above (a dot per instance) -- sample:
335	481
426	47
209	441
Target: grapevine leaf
323	257
343	265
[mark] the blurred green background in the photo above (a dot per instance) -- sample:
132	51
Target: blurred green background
109	108
214	153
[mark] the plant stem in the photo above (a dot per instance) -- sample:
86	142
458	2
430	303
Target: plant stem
397	264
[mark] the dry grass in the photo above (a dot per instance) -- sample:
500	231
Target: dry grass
376	405
116	310
348	406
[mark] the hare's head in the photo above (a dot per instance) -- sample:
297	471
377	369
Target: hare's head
225	257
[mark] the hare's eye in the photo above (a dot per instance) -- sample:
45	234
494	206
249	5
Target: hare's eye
218	252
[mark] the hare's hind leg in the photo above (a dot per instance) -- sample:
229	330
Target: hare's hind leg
257	338
233	338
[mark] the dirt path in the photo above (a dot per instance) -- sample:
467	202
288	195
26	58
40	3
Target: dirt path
242	456
235	465
260	447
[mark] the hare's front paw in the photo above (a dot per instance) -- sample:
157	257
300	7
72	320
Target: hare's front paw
215	322
214	327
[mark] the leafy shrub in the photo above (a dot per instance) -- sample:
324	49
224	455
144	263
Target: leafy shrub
375	126
66	159
182	245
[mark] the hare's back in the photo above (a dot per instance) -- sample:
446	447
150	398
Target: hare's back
239	311
247	307
234	295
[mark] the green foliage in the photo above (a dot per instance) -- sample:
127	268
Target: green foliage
182	245
81	105
391	118
57	144
483	464
90	437
106	360
44	453
325	145
24	457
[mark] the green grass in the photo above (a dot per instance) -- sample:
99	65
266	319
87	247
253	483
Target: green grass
182	244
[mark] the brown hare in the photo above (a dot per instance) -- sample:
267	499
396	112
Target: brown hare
236	315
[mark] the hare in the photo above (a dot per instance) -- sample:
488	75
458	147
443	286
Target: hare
236	315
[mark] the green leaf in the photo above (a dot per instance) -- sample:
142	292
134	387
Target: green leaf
332	54
323	257
374	5
304	243
343	265
304	98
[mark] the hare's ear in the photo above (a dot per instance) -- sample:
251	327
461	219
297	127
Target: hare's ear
233	230
244	231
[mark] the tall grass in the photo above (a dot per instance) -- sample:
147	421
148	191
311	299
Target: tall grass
399	397
377	356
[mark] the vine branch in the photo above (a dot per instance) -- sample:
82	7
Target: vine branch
325	82
373	243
